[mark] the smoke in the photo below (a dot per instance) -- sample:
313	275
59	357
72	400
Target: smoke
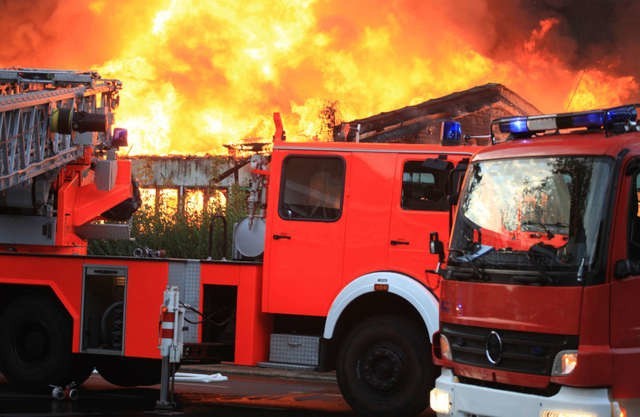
23	31
602	34
595	34
67	34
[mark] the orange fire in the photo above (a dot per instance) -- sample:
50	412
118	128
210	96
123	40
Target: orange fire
201	74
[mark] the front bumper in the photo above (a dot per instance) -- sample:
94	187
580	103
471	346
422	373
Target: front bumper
466	400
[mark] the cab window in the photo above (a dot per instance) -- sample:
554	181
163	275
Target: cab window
312	188
423	188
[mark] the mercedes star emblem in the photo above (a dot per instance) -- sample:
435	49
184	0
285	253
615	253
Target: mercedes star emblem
493	348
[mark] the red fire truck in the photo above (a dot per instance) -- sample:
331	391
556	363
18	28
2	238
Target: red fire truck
332	268
538	312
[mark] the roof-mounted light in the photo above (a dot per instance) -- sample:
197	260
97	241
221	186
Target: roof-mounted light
614	120
588	120
450	133
619	116
515	125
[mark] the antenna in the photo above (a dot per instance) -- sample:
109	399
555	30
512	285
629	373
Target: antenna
575	90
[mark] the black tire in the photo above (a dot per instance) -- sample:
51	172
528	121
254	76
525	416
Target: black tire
35	344
384	367
130	372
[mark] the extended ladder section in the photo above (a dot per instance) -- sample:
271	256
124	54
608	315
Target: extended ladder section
40	111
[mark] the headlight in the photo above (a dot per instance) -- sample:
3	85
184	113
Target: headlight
445	348
564	363
439	401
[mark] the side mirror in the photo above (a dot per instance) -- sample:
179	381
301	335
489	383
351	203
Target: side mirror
436	247
625	268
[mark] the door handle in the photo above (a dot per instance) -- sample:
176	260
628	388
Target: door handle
278	237
399	242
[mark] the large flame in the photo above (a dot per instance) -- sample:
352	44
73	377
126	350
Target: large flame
200	74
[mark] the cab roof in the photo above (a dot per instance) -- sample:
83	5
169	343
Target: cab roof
563	145
316	146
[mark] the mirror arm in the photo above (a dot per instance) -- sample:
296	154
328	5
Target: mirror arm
626	267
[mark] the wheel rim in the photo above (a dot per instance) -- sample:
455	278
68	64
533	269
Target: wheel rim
382	367
32	342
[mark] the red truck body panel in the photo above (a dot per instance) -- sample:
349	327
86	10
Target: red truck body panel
146	282
374	233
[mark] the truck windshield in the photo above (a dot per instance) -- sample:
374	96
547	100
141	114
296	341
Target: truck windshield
530	220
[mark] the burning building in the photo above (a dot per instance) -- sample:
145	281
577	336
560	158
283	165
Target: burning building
183	182
473	108
198	181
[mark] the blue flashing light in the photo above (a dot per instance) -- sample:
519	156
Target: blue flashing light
451	132
515	126
622	114
591	119
614	120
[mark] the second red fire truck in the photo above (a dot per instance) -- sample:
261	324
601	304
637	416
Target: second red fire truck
539	302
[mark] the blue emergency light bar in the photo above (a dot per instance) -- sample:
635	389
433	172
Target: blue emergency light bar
614	120
450	133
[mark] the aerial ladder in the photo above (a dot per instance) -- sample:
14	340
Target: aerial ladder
59	170
64	312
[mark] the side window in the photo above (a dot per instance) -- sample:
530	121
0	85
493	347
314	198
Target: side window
423	188
312	188
634	219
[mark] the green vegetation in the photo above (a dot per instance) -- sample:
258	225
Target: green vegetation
179	235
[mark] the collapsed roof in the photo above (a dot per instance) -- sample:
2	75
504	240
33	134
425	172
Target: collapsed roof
473	108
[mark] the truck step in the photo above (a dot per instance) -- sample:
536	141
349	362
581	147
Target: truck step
281	365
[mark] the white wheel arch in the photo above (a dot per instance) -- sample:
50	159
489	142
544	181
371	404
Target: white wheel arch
416	294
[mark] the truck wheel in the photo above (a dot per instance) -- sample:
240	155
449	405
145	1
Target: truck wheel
384	367
130	372
35	343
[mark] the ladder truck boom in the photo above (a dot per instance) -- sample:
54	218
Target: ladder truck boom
59	170
33	106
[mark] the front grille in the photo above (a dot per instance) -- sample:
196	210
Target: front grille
526	352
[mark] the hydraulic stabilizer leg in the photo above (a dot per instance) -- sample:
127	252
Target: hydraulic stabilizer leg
171	344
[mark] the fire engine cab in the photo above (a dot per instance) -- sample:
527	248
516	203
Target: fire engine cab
538	312
331	270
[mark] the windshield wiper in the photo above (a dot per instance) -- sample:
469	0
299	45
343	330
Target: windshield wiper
541	251
537	254
471	257
481	251
538	225
546	227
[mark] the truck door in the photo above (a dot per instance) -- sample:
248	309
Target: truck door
305	238
625	292
420	206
